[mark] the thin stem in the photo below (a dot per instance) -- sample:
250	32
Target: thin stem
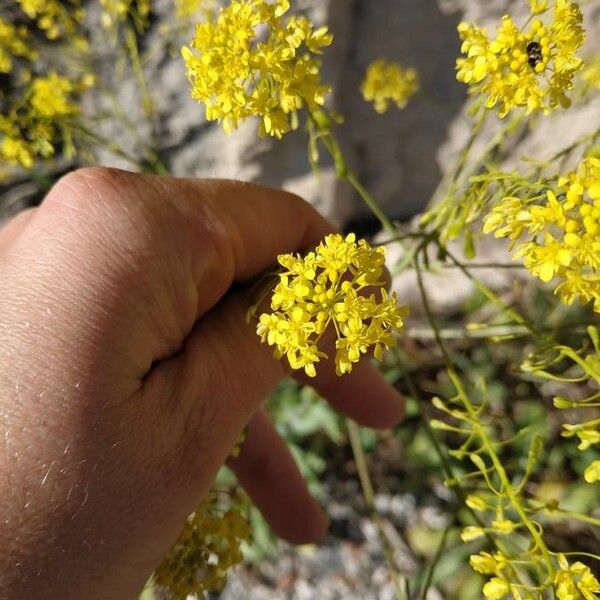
481	431
136	64
435	561
489	265
559	513
345	173
370	202
577	553
491	295
369	496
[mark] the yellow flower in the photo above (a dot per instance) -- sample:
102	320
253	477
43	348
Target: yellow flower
43	119
321	291
15	151
587	433
207	547
531	69
486	564
471	533
575	581
387	82
13	42
592	473
496	589
50	96
504	526
559	234
54	17
476	502
237	74
538	6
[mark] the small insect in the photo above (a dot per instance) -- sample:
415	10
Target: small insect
534	54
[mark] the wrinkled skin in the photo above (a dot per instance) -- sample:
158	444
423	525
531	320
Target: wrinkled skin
128	371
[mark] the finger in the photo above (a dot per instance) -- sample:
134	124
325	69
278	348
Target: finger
270	476
224	373
12	229
363	394
164	250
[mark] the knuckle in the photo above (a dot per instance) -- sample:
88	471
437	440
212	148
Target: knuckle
86	185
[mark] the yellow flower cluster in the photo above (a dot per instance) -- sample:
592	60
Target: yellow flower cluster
54	17
571	582
562	233
530	69
387	82
575	582
321	291
13	42
208	546
34	126
237	73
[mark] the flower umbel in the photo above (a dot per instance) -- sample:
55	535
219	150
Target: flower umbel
237	73
322	290
39	122
531	69
206	549
54	18
387	82
575	581
13	43
562	233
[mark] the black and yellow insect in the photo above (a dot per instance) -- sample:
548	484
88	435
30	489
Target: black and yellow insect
534	54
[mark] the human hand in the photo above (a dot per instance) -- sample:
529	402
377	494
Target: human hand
127	372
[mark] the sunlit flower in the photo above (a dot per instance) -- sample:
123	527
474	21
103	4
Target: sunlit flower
476	502
237	73
54	17
531	69
575	581
387	82
559	233
322	291
51	96
14	42
486	563
588	434
40	122
496	588
470	533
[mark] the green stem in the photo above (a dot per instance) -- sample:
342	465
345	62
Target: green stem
559	513
370	202
482	433
136	64
490	294
345	173
369	496
435	561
